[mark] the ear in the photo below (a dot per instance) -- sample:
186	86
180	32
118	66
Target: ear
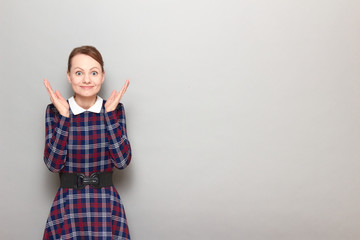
68	76
103	78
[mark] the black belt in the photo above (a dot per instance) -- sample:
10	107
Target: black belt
80	180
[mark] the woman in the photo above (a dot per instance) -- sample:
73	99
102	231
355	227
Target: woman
85	138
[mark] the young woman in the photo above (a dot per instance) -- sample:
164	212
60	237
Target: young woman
85	138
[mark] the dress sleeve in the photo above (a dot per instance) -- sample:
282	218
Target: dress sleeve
119	145
56	138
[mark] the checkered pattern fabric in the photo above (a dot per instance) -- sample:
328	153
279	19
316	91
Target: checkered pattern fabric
88	142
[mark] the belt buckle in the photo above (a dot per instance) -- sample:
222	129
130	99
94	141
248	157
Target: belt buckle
80	181
95	180
83	180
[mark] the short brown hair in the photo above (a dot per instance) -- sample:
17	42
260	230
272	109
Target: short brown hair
87	50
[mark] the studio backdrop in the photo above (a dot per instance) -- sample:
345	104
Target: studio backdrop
243	116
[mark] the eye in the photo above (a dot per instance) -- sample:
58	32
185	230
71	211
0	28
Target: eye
78	73
94	73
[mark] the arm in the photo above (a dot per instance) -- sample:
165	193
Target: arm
57	132
119	145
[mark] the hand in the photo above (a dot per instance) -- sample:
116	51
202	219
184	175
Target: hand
115	98
59	102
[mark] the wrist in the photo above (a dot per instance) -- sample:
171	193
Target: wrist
65	114
109	109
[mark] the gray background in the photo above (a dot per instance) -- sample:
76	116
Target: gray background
243	115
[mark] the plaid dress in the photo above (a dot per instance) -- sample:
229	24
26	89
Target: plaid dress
86	143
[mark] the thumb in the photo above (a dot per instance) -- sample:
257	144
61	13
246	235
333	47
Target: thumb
58	95
112	96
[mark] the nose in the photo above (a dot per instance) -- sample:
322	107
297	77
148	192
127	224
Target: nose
86	78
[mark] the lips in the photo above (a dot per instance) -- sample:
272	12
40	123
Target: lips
86	87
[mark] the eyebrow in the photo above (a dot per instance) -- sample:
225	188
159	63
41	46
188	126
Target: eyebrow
84	70
78	68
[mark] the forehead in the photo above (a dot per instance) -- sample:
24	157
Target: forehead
84	61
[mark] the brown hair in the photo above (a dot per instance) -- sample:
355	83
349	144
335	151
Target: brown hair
87	50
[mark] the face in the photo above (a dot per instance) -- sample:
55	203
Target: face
85	76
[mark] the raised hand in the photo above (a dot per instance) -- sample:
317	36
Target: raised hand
115	98
59	102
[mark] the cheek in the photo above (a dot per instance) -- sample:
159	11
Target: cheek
98	80
76	79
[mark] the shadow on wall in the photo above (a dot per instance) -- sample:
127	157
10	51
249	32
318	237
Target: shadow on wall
123	179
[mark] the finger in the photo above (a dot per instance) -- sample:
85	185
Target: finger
113	94
118	96
61	99
126	84
123	89
48	86
49	89
51	93
111	98
47	83
115	101
58	95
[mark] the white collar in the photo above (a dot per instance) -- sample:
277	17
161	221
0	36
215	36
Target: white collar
76	109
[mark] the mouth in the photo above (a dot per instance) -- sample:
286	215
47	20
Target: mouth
86	87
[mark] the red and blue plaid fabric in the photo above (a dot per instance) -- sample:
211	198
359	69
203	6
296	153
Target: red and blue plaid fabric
86	143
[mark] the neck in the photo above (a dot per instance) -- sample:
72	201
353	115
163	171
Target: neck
85	102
